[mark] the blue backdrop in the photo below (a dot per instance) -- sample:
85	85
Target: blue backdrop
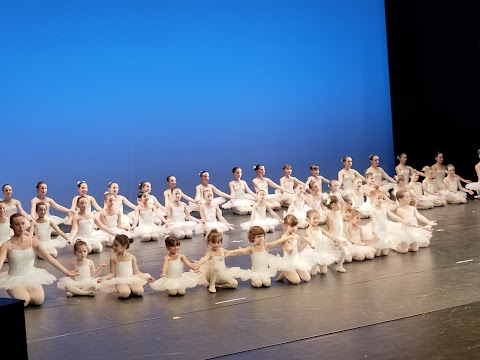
128	91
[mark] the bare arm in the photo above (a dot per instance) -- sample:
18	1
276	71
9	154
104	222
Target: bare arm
221	193
240	251
386	176
247	189
187	262
38	247
189	216
95	204
157	204
23	212
103	227
57	206
272	184
127	202
165	266
96	271
273	213
59	231
340	178
205	258
222	218
423	218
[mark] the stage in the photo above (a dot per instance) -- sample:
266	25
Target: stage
423	305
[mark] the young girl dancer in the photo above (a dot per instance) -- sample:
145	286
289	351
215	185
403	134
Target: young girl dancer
259	215
441	170
111	217
172	184
119	200
379	174
403	169
213	267
356	237
82	227
412	236
49	202
82	188
316	201
346	176
288	182
453	184
12	205
316	178
431	188
384	233
327	246
211	215
360	200
24	281
292	266
124	277
244	199
180	222
173	279
262	263
205	178
43	229
85	283
422	200
298	206
262	183
144	227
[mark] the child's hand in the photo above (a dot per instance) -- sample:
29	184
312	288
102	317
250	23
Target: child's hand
231	226
104	265
336	243
100	280
72	273
312	245
150	279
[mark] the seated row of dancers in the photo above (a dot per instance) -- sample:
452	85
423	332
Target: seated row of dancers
343	240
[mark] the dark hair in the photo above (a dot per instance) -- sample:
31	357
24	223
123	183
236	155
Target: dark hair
124	240
400	155
345	158
254	231
40	183
258	166
79	243
168	177
82	197
287	166
111	183
202	172
314	167
107	194
172	241
79	183
139	194
40	203
213	235
235	169
3	187
372	156
14	216
438	153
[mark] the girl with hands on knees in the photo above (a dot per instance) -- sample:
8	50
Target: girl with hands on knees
453	184
144	227
43	229
433	190
24	281
85	283
244	199
173	279
211	215
259	215
124	277
213	267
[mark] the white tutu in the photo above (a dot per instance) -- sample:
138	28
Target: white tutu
202	228
293	262
108	286
473	186
147	231
224	272
325	252
81	281
184	281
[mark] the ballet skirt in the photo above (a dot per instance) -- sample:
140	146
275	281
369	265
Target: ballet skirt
361	205
317	205
118	206
150	202
211	222
80	281
473	186
241	198
410	234
87	233
178	221
146	225
453	188
261	219
44	231
6	232
22	273
112	222
440	175
262	265
293	261
176	278
388	232
325	252
217	262
384	185
124	276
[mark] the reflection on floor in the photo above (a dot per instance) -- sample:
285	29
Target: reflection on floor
421	305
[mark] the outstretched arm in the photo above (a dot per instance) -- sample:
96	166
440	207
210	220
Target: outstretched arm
59	231
38	247
221	193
